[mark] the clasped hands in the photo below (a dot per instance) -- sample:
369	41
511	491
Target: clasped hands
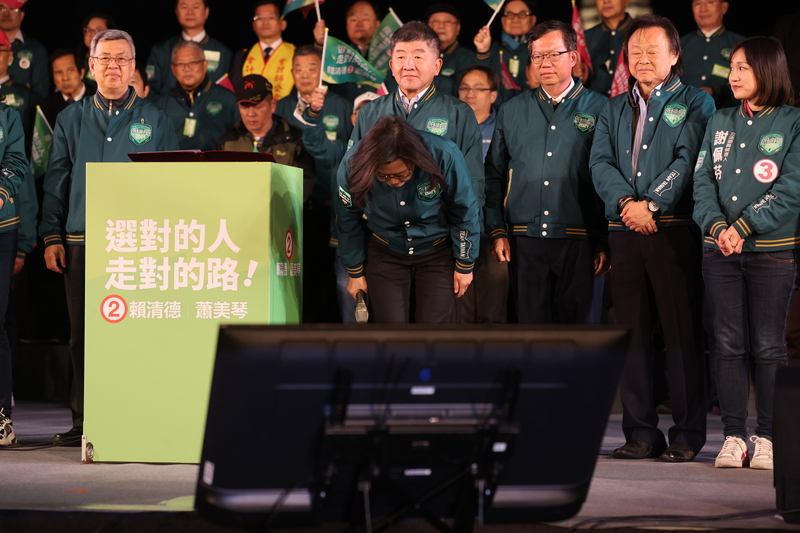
730	242
638	217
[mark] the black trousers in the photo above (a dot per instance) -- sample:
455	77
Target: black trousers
74	282
391	277
486	299
661	270
552	279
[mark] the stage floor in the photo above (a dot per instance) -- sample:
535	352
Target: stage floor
48	489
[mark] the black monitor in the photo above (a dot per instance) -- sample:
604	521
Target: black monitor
369	424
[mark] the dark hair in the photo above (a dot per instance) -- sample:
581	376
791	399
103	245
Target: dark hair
111	25
416	30
259	3
540	30
58	54
654	21
391	138
306	50
448	8
205	3
371	4
491	75
530	3
766	57
141	69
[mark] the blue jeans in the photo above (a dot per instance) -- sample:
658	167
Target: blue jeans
750	295
8	253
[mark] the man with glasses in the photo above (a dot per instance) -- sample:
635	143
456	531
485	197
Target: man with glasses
707	51
445	20
511	53
604	42
30	56
271	56
103	128
415	63
542	212
200	110
192	16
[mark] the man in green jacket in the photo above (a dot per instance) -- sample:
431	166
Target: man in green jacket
200	110
103	128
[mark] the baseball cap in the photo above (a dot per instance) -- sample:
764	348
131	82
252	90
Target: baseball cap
253	89
14	4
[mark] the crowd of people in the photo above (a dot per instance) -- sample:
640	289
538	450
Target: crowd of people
655	184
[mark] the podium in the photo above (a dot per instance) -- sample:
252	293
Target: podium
173	250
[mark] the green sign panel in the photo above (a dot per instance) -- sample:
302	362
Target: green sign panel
173	250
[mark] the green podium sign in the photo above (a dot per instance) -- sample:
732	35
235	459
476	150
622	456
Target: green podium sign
173	250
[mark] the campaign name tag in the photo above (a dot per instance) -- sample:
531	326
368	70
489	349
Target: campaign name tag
720	71
189	127
212	56
513	66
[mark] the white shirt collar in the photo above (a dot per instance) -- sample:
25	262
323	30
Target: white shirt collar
4	79
197	38
408	103
274	44
710	33
77	97
557	99
19	37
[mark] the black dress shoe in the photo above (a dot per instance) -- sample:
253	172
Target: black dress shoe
635	449
678	453
70	438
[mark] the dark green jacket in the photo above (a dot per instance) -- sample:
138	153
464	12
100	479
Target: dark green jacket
515	58
412	219
214	109
544	188
14	166
30	65
159	74
441	114
605	46
707	61
86	132
674	129
748	176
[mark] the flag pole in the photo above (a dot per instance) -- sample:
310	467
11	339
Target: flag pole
324	49
319	16
395	16
496	11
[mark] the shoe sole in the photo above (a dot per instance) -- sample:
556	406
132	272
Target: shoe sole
730	465
758	466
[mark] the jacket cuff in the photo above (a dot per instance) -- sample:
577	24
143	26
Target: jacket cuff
464	268
483	56
50	240
742	228
498	234
717	228
357	271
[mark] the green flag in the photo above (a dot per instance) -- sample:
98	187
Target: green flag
40	147
342	64
382	41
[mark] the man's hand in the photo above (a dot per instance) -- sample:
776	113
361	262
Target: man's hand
482	40
460	283
56	258
19	262
581	71
318	99
501	250
639	218
602	261
357	284
319	31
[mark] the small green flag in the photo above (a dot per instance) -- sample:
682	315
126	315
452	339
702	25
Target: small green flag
381	43
40	147
343	64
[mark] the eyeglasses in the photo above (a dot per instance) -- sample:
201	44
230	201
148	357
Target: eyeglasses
553	57
190	64
511	15
475	89
387	177
268	18
91	30
106	61
4	8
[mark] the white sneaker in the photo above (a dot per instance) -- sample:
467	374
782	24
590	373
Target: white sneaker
733	454
762	456
7	436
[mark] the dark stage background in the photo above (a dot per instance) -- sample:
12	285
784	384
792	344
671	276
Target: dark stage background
58	24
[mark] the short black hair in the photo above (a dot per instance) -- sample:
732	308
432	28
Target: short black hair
655	21
307	50
766	57
369	2
259	3
416	30
491	75
58	54
205	3
568	34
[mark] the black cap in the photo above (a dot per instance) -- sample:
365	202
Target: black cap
442	8
253	88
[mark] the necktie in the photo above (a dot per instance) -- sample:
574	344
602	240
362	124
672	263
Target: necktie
267	52
70	101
